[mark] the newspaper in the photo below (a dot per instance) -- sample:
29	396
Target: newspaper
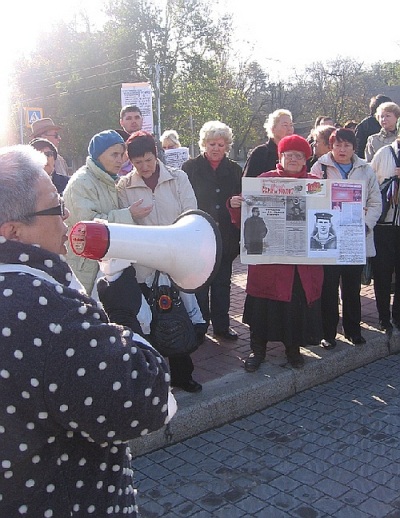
176	157
302	221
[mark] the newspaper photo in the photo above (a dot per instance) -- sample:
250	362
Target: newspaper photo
302	221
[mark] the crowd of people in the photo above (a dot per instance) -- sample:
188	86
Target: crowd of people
79	376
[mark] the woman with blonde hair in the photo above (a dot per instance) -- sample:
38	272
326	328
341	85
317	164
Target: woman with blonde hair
278	125
387	115
170	140
215	178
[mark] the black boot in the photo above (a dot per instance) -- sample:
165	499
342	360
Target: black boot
257	356
294	357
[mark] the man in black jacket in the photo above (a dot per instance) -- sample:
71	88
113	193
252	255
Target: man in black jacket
254	232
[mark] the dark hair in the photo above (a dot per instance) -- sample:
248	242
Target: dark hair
129	108
40	143
140	143
320	119
343	135
376	101
350	124
124	134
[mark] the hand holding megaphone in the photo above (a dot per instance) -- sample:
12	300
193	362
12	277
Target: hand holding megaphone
189	250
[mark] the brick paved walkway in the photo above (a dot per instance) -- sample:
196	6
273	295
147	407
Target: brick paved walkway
216	358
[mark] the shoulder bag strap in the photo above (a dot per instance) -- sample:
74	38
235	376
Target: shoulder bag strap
20	268
396	158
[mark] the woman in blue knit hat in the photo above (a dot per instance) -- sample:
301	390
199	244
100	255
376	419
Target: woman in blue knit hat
91	193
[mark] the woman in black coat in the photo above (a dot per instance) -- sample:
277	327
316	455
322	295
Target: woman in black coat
215	178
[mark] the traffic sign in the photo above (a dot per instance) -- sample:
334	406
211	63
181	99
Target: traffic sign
32	115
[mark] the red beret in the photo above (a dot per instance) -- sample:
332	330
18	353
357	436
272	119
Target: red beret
295	143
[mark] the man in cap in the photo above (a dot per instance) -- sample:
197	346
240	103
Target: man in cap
47	129
323	238
49	150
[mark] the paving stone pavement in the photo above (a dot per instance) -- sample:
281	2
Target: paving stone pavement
330	451
216	358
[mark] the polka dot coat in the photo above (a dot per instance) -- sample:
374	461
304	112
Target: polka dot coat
73	390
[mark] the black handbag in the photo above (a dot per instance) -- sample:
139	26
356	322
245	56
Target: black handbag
366	275
390	191
171	330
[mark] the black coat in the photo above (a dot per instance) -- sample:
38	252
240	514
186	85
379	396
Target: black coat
212	190
59	181
368	126
254	231
262	159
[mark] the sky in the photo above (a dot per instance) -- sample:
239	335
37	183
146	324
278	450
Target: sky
282	36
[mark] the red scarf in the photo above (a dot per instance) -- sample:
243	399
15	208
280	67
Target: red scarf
282	172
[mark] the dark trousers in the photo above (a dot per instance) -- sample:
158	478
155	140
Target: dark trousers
387	262
214	299
349	279
181	368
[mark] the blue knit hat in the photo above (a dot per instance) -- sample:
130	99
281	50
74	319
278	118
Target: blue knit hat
102	141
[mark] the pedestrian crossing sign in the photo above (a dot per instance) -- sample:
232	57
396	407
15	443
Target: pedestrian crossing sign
32	115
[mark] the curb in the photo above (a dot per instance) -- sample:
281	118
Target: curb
240	394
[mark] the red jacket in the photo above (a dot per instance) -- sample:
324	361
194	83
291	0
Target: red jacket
275	281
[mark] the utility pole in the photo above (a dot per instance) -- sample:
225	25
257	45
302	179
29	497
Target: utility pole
191	136
21	123
157	68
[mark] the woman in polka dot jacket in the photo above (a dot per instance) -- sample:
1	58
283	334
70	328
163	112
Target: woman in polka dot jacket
73	387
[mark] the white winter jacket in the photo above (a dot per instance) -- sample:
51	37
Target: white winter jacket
91	194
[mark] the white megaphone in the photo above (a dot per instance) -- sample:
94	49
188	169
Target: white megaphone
189	250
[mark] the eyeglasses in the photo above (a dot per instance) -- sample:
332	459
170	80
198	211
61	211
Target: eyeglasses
55	135
48	153
292	155
58	210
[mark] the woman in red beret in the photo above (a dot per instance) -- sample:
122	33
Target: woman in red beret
282	302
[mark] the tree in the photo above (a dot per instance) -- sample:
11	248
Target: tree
76	72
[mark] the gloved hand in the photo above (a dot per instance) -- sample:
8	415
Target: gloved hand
122	299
